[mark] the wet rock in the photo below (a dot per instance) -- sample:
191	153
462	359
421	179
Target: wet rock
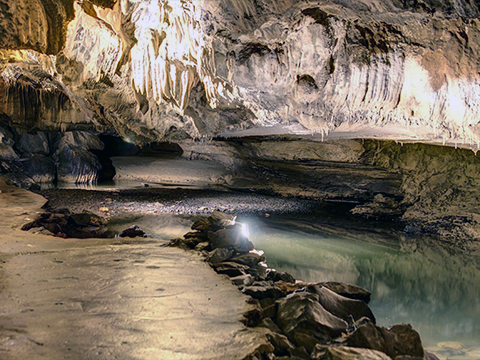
132	231
306	322
275	275
230	268
322	352
397	340
263	290
349	291
231	238
219	255
347	309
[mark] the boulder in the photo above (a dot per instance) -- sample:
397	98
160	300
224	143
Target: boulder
221	220
230	238
38	167
86	218
322	352
76	165
243	280
37	143
203	225
7	153
250	259
133	231
263	291
219	255
397	340
347	309
349	291
306	322
196	234
230	268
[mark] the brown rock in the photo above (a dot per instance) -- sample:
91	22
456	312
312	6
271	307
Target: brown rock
219	255
304	320
230	268
347	309
349	291
397	340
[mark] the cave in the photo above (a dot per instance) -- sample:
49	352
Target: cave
240	179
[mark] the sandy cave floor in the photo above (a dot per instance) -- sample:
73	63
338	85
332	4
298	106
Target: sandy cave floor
110	299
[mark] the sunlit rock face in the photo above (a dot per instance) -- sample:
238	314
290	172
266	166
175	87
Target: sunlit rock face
392	69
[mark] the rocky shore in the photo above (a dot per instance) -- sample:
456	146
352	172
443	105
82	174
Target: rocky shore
327	320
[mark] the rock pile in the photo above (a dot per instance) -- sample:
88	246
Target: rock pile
64	224
328	320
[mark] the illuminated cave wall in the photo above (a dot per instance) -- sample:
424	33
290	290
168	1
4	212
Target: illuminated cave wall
147	69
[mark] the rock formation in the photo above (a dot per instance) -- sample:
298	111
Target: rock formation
405	69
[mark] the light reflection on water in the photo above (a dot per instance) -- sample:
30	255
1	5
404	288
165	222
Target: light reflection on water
438	293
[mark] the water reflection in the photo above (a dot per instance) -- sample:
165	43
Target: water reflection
435	291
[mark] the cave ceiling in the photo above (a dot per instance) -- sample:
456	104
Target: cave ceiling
148	70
